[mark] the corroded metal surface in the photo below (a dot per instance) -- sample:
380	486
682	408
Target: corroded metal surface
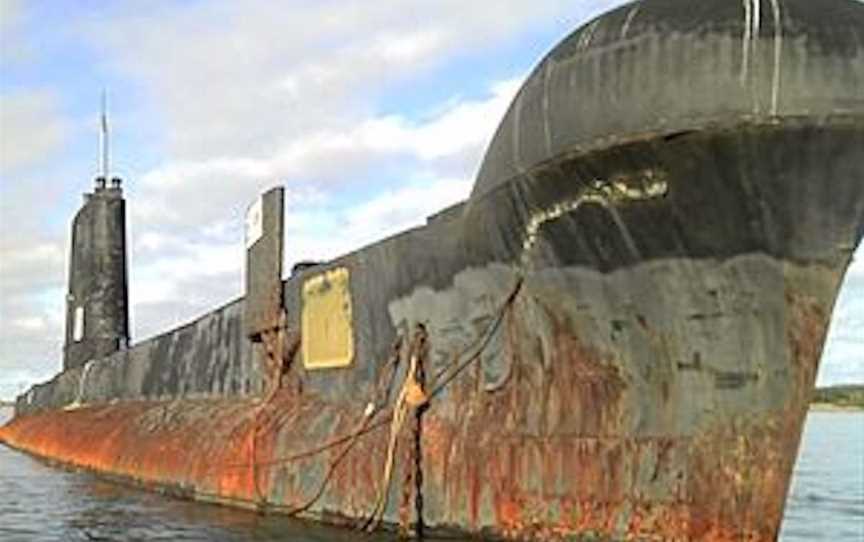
206	357
559	449
624	321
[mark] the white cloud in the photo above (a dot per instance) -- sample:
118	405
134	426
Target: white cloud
843	358
13	48
10	13
466	125
31	336
388	213
408	48
30	323
32	274
31	128
321	162
242	78
25	264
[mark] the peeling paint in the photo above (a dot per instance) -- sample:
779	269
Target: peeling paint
645	185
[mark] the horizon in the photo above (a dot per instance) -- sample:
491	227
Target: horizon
372	119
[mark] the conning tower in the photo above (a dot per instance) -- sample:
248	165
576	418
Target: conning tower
97	303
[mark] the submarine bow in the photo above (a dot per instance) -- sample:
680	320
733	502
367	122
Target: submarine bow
616	336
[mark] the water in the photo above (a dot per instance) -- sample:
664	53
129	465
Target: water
826	501
45	504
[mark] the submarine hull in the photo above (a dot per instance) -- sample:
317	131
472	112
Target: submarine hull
616	337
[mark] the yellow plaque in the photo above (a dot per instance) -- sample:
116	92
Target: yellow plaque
328	339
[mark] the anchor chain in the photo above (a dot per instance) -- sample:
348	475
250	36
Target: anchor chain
413	478
420	375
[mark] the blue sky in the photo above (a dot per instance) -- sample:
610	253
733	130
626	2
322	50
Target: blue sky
373	115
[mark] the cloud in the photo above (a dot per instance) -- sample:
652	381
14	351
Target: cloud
32	273
10	13
259	73
31	299
390	212
12	48
31	336
31	128
27	266
843	358
318	161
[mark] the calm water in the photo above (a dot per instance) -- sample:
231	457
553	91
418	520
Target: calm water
41	503
827	497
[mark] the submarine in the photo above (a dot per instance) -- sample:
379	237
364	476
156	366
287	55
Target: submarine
615	337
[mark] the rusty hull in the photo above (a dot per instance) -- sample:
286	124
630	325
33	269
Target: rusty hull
670	205
553	452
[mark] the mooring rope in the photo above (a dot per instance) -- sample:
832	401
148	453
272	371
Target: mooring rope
273	340
372	409
417	448
412	397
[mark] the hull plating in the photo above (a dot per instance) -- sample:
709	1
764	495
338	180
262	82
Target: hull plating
622	325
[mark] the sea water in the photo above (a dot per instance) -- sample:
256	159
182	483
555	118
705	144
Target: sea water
826	501
42	503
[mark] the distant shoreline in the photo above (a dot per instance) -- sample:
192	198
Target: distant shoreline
831	407
847	398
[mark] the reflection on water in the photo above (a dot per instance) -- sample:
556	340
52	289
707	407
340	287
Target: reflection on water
41	503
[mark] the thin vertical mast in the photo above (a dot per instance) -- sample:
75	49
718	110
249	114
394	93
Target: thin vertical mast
103	138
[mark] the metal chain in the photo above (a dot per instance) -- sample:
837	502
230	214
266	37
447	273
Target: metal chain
420	375
412	466
405	508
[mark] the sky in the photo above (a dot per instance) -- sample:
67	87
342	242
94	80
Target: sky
373	115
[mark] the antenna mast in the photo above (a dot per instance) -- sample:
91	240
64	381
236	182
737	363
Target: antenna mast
103	139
